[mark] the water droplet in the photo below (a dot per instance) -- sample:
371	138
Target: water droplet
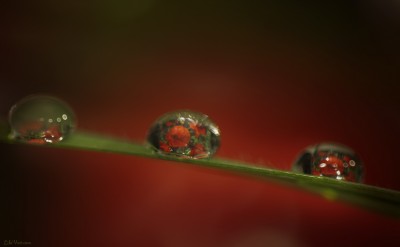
330	160
184	134
40	119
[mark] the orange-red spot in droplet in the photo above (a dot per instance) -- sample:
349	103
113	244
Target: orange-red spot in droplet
329	171
198	149
346	159
178	136
198	130
164	147
332	165
53	134
36	141
32	126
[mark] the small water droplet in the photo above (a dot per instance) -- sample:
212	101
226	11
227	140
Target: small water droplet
330	160
184	134
37	119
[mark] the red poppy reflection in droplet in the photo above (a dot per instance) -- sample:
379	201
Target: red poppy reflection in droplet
330	160
184	134
178	136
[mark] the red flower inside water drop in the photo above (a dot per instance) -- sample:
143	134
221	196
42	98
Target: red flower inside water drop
169	123
331	166
178	136
53	134
198	130
164	147
198	149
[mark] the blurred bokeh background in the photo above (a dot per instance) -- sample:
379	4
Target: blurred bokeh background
276	76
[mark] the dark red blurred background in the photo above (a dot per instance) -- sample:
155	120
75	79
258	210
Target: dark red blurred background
276	77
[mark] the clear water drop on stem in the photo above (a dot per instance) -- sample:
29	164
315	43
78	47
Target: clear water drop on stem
41	119
330	160
184	134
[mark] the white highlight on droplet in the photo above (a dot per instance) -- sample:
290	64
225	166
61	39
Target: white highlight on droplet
50	120
64	116
352	162
214	130
58	119
322	165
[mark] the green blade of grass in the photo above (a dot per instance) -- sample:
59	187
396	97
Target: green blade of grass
373	198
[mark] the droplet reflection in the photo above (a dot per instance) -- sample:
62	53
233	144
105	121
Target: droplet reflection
41	119
330	160
184	134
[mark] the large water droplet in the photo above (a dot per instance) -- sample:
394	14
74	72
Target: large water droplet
40	119
330	160
184	134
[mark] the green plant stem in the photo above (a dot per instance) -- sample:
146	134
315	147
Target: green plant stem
373	198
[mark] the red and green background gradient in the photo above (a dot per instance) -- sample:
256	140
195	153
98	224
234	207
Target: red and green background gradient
276	77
